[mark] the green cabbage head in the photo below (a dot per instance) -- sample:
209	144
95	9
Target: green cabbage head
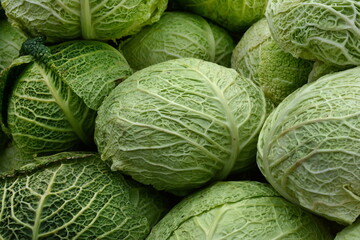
234	15
238	210
76	196
50	97
258	57
178	35
325	30
179	124
87	19
309	147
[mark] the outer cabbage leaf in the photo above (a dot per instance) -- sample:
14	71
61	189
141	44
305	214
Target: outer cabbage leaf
351	232
258	57
10	43
178	35
233	15
238	210
76	196
321	69
309	147
87	19
178	124
325	30
11	159
51	106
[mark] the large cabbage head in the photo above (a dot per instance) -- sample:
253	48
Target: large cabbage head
76	196
309	147
238	210
178	35
179	124
233	15
325	30
50	98
258	57
87	19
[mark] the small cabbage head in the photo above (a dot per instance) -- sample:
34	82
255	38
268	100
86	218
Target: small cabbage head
87	19
258	57
10	43
234	15
238	210
179	124
325	30
309	147
50	97
76	196
178	35
351	232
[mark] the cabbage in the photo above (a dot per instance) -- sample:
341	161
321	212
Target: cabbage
238	210
179	124
325	30
233	15
52	95
87	19
309	147
258	57
178	35
76	196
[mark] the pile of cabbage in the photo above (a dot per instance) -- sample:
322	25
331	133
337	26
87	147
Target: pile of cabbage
185	119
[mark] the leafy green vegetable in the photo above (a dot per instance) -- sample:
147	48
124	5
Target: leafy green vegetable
10	43
72	19
179	124
309	146
258	57
325	30
76	196
233	15
321	69
178	35
351	232
52	105
238	210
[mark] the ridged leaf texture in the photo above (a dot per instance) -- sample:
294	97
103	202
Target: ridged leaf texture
325	30
10	43
181	123
87	19
234	15
258	57
309	147
238	211
178	35
54	98
76	197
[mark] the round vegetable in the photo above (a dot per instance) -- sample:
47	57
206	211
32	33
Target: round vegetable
258	57
233	15
87	19
351	232
178	35
238	210
51	106
179	124
10	43
325	30
76	196
309	147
